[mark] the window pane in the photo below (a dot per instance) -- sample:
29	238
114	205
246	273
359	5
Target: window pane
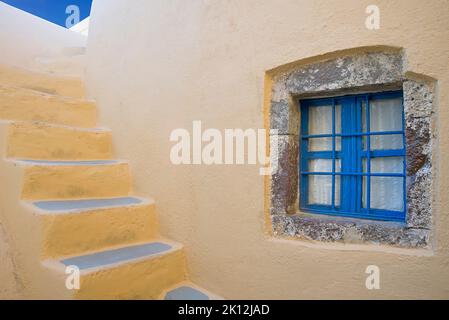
324	144
364	193
337	118
337	189
320	190
320	119
386	115
385	142
387	193
320	187
324	165
385	165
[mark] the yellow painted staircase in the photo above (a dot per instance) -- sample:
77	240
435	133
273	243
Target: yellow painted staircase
66	202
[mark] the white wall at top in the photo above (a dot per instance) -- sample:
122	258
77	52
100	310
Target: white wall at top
82	27
29	42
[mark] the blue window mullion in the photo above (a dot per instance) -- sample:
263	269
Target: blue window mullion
346	160
354	174
404	180
329	135
358	150
333	154
356	146
368	158
318	155
304	165
384	153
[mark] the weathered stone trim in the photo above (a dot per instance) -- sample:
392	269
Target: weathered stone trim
284	186
359	73
418	107
336	229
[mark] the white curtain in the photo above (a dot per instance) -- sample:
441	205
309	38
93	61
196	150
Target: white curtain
386	192
386	115
320	187
320	122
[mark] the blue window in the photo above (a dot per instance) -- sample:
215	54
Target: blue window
353	160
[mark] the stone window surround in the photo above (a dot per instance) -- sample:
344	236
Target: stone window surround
368	70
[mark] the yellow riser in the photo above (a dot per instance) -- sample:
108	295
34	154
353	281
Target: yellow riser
28	105
76	181
68	87
80	232
145	279
44	142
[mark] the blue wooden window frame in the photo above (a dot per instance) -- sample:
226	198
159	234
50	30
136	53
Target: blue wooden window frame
351	156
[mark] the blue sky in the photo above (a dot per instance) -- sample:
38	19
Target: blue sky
52	10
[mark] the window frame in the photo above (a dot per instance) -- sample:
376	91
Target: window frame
351	181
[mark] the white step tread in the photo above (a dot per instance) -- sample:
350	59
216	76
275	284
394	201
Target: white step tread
186	292
89	204
117	256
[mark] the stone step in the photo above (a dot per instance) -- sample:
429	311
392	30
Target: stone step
140	271
22	104
77	226
70	206
41	141
42	82
64	180
188	291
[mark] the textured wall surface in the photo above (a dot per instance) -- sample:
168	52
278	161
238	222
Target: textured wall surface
181	61
9	284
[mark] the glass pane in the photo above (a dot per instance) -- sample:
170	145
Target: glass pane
337	118
385	142
365	179
364	129
364	192
320	187
320	190
324	165
386	114
385	165
387	193
320	120
337	190
324	144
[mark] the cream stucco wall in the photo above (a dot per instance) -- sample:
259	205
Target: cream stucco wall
155	66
